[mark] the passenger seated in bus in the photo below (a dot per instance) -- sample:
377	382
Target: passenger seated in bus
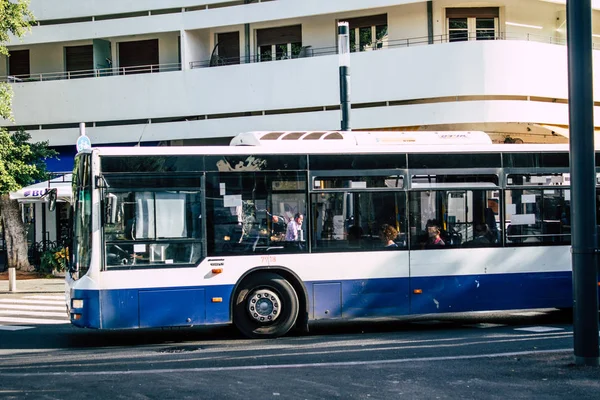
433	235
490	221
480	238
388	234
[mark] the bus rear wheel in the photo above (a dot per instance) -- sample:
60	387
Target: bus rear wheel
265	307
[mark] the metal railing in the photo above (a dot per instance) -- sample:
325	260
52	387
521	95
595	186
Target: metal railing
309	51
92	73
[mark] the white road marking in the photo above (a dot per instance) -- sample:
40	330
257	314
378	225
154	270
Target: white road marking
37	296
25	301
34	313
539	329
28	307
28	311
281	366
14	327
41	321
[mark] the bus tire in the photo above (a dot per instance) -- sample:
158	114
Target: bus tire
266	306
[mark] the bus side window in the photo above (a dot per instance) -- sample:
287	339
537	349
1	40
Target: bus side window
453	218
538	216
353	221
428	227
249	213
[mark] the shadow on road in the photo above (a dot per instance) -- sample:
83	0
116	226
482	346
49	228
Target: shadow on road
44	337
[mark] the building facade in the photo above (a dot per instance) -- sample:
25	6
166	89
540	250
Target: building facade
188	72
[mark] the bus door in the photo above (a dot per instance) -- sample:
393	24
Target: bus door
447	226
359	225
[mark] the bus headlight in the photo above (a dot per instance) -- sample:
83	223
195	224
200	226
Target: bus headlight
76	303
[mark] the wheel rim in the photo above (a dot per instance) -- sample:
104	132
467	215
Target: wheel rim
264	306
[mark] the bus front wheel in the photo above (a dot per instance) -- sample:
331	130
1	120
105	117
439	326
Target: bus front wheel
265	307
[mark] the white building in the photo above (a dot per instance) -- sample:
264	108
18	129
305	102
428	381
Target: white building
189	71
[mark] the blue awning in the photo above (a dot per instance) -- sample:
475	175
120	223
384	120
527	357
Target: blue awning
64	160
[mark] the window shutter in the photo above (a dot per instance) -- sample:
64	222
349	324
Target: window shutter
472	12
281	35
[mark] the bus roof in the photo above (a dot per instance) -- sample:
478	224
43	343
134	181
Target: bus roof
359	138
337	142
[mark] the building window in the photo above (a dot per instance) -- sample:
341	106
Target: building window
18	64
472	23
368	33
138	57
279	43
79	61
227	49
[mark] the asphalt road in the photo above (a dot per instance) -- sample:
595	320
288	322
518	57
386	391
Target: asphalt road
517	355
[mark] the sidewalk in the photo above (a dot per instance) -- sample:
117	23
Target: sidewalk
37	285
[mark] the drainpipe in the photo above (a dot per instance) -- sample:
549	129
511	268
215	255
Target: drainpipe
247	37
430	21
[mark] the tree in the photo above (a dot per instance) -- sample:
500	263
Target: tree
21	163
18	163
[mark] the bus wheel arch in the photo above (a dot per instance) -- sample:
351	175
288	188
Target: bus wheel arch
278	285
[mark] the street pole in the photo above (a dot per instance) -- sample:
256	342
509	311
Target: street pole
344	58
583	183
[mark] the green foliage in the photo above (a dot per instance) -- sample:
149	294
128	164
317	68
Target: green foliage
6	101
21	162
15	18
54	259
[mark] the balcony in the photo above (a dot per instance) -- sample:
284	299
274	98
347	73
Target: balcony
405	83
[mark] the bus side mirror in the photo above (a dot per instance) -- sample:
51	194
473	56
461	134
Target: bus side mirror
111	209
52	200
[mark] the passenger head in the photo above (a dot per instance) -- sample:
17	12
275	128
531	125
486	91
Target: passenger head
388	233
481	229
433	228
298	218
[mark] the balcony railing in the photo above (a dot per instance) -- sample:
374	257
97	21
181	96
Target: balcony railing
92	73
306	51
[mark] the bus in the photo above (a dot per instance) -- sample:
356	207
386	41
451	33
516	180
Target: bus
194	236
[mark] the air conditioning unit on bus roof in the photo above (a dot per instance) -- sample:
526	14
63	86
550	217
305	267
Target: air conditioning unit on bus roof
358	138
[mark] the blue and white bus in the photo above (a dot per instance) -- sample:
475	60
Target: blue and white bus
189	236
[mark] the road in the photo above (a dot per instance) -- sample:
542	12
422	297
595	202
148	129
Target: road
526	354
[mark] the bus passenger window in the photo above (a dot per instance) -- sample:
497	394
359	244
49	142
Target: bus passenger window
355	221
454	218
538	216
152	228
250	212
